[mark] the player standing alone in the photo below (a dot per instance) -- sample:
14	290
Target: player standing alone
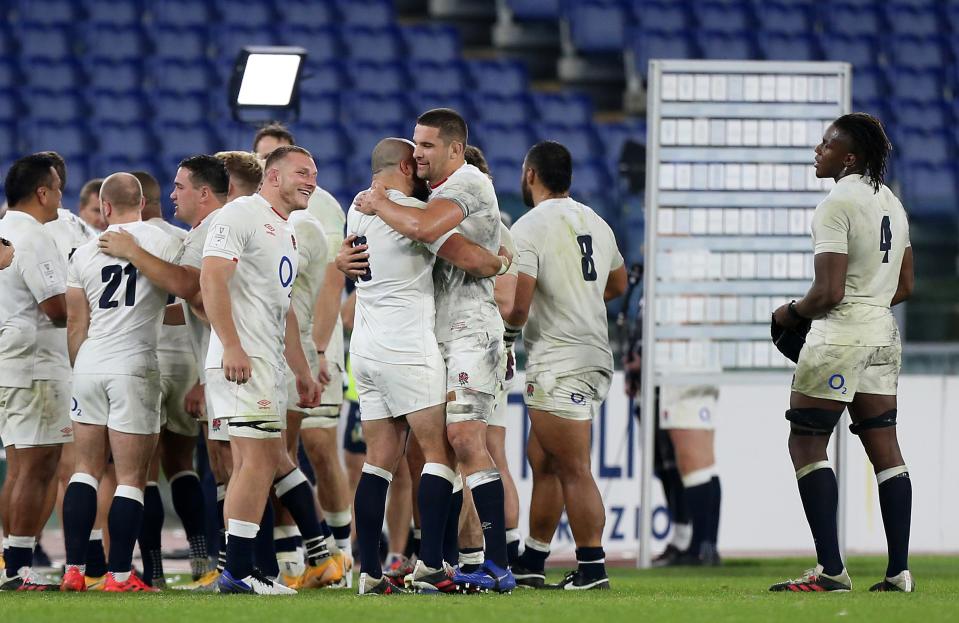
852	354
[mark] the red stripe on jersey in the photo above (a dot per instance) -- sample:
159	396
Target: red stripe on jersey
277	213
439	183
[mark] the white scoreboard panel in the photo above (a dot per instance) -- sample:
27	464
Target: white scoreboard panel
730	193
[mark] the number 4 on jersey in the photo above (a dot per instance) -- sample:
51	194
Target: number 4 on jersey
885	238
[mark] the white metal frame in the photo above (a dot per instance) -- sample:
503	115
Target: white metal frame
655	153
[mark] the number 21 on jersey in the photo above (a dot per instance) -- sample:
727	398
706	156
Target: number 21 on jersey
112	276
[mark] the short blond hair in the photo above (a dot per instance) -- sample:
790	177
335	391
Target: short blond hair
244	168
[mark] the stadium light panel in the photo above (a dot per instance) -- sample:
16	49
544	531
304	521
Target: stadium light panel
265	83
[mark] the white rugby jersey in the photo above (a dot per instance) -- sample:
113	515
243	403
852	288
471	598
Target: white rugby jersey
250	232
326	209
198	331
313	260
506	241
70	233
126	309
38	272
570	251
395	314
873	230
174	341
464	304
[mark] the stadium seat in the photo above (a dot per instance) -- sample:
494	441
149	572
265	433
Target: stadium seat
307	13
325	141
440	78
929	190
8	45
364	137
921	85
868	83
9	107
8	141
180	140
914	18
661	15
564	108
876	106
372	13
127	140
725	45
333	177
421	102
581	140
257	14
190	44
42	73
121	107
614	135
101	166
378	45
591	182
848	19
498	76
534	9
923	147
916	51
776	46
320	108
181	13
8	75
181	76
860	50
225	43
54	105
502	142
322	43
174	106
371	108
115	12
113	42
785	17
724	17
507	109
46	42
431	43
596	26
115	75
70	139
48	12
378	77
647	44
929	116
507	173
324	77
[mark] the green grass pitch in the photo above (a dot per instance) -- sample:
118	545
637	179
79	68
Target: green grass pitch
735	592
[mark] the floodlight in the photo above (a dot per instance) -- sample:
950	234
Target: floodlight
265	83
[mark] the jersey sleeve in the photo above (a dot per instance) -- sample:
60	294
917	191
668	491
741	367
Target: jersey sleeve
506	240
830	228
527	246
228	235
73	272
435	246
462	191
43	270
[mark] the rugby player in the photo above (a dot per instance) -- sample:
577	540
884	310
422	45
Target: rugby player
569	267
6	254
89	208
852	353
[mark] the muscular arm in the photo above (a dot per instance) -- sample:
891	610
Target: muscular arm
522	300
348	311
616	284
423	225
327	307
828	286
907	279
214	283
469	256
504	292
292	348
180	281
55	309
78	321
173	315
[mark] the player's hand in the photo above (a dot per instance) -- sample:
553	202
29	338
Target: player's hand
510	364
352	261
504	252
236	365
309	392
366	201
6	253
194	403
119	244
783	318
323	377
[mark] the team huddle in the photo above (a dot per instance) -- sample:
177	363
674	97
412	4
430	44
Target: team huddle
118	349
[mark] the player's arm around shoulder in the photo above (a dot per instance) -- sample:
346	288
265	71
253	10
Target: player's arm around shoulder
154	258
478	261
427	225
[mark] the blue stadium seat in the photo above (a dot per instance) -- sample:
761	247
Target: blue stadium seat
952	15
70	139
498	76
46	42
181	13
113	42
225	43
8	74
181	76
868	83
785	17
725	45
596	26
725	17
502	142
326	141
373	13
378	77
566	108
776	46
320	108
115	12
103	165
923	147
178	107
9	107
919	19
307	13
859	50
8	146
8	44
661	15
932	116
126	140
322	43
42	73
121	107
581	141
647	44
847	19
246	13
49	12
431	43
591	183
929	190
421	102
506	173
614	135
115	75
876	106
916	51
46	104
363	138
324	77
378	45
333	177
534	9
508	109
921	85
190	44
372	108
180	140
440	78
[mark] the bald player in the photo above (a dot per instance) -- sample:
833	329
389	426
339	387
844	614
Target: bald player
114	321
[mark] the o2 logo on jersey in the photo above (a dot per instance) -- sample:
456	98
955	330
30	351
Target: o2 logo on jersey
286	271
704	415
838	383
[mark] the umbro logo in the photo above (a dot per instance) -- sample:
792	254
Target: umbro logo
264	404
270	230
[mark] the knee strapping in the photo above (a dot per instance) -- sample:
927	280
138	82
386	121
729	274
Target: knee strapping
885	420
470	404
811	421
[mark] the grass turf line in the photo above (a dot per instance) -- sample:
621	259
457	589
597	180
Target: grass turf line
735	592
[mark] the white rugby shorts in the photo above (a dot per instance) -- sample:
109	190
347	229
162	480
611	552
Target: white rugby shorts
570	396
38	415
176	379
121	402
390	390
838	372
255	409
331	400
688	407
474	363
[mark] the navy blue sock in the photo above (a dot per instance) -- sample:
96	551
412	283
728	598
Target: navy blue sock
434	502
451	543
592	562
264	553
895	503
240	545
296	495
489	498
190	507
18	553
700	501
151	531
533	558
716	503
820	499
79	515
512	547
96	557
370	508
325	530
221	521
124	521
